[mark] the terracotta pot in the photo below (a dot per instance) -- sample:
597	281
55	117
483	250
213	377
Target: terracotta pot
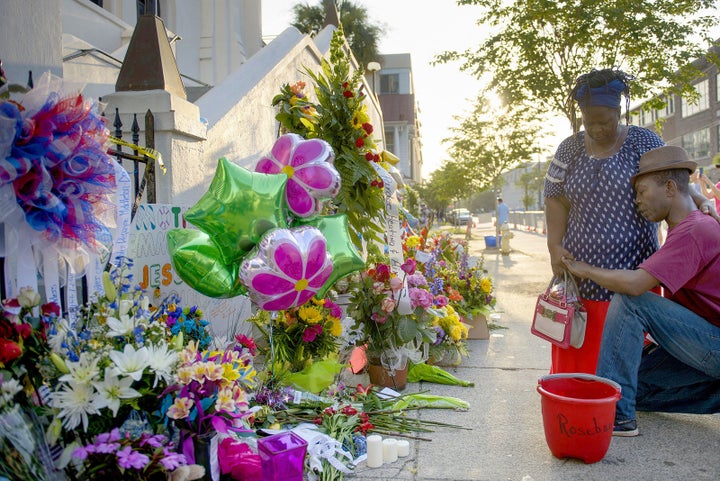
381	376
479	327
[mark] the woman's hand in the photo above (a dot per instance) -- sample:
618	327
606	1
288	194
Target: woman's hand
557	253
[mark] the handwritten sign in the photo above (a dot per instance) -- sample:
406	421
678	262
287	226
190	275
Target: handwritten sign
154	272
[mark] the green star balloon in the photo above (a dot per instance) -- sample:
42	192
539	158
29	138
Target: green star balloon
238	208
197	260
346	259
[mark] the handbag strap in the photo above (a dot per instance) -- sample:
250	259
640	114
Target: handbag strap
570	283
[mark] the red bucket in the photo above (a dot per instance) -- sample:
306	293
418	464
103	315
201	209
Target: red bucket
578	413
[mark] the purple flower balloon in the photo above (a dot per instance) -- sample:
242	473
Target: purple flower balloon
287	268
310	170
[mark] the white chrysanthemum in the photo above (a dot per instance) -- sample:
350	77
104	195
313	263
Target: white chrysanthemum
112	389
75	402
83	371
163	362
130	362
8	390
56	340
120	327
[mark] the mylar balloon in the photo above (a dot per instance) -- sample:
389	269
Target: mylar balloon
238	208
198	262
287	268
345	257
308	165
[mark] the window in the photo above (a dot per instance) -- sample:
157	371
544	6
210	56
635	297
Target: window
147	7
697	144
669	106
390	83
702	103
390	139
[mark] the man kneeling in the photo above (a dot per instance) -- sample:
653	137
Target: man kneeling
681	373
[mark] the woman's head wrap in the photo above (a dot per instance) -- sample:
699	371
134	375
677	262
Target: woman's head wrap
603	88
607	95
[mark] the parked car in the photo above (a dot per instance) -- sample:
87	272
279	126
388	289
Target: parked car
460	217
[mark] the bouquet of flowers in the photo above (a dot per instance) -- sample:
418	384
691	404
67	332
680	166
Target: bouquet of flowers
451	336
303	334
209	393
340	117
389	334
118	455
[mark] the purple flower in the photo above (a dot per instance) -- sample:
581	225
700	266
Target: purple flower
441	300
417	279
172	460
440	335
106	448
420	298
334	309
311	333
409	266
127	458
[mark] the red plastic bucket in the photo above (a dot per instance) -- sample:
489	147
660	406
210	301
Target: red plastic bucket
578	413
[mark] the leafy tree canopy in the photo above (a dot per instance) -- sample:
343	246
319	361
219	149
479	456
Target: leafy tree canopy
362	35
538	48
490	140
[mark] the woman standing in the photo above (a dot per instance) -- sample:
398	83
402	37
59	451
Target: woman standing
590	203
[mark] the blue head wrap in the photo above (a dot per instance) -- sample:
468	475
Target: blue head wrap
607	95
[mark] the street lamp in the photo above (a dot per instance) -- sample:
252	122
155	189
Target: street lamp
374	67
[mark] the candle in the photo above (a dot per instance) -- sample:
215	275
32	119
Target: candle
390	450
374	451
403	448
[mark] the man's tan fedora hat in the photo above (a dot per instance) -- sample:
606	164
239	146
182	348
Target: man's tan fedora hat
664	158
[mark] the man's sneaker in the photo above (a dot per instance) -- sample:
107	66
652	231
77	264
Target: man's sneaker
626	428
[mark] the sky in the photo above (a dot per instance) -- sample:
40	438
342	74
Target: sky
423	28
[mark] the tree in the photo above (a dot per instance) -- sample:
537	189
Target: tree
489	141
362	36
539	47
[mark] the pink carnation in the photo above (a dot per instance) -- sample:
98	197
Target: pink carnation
420	297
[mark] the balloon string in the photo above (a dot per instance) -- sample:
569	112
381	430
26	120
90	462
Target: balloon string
273	316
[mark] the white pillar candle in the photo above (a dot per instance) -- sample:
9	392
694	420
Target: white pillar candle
403	448
390	452
374	451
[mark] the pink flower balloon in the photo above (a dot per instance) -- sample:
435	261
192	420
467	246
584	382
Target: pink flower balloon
287	268
309	167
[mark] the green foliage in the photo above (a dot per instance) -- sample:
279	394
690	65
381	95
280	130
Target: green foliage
486	143
362	36
537	48
340	118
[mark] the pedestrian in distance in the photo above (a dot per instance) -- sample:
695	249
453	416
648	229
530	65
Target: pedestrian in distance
589	202
680	370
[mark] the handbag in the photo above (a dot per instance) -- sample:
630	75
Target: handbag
559	315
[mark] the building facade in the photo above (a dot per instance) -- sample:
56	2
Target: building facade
692	125
396	92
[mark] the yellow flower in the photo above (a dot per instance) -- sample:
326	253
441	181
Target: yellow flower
412	241
336	327
310	314
229	372
486	285
360	117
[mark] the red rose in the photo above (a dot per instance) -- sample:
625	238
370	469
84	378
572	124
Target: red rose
348	94
369	156
360	142
9	351
24	329
367	128
49	309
